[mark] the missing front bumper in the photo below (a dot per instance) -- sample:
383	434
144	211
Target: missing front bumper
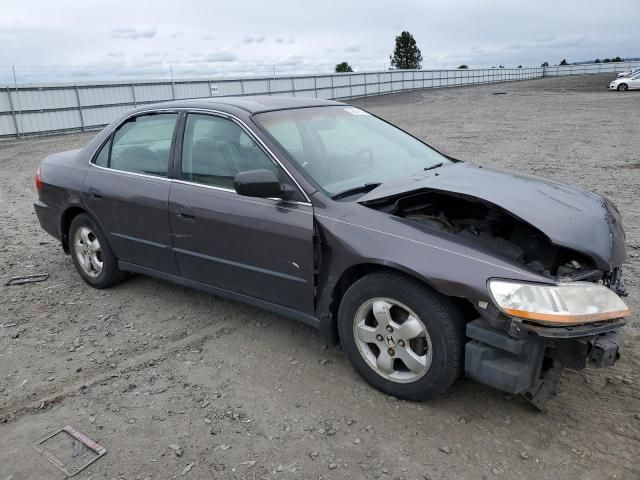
531	363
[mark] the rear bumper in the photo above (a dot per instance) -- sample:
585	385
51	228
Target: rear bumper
49	218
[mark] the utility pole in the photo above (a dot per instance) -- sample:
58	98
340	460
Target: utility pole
15	84
173	87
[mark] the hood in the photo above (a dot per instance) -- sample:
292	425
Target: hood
570	217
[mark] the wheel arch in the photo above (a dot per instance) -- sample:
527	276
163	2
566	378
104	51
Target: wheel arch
329	319
65	223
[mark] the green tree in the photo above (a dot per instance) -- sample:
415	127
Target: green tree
343	67
616	59
406	55
597	60
545	64
564	62
519	66
606	60
463	67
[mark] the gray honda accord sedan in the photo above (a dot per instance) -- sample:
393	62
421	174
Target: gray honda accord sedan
422	266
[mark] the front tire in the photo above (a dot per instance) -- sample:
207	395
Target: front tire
401	336
92	254
623	87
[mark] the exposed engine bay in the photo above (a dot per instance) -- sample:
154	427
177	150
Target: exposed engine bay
510	359
493	227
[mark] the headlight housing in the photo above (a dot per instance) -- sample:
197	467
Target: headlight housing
562	304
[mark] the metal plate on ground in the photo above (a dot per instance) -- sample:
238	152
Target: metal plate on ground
70	450
40	277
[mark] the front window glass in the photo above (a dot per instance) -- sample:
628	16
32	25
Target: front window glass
216	149
343	147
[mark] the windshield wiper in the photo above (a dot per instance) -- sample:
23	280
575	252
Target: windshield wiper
437	165
367	187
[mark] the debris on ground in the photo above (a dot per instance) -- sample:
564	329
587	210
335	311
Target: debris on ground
70	450
187	469
40	277
176	449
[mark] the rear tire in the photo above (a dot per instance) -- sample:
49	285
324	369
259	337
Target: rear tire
92	254
623	87
401	336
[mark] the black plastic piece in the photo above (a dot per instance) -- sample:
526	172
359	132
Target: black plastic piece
605	351
496	359
480	330
617	282
586	330
570	352
497	243
261	183
544	386
493	316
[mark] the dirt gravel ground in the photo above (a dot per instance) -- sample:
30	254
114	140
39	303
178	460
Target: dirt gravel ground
179	384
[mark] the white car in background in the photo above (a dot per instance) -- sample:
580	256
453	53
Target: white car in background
629	73
630	83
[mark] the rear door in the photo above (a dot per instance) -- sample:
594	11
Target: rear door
128	190
257	247
634	81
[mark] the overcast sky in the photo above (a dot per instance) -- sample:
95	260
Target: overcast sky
85	40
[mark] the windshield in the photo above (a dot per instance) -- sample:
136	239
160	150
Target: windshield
344	148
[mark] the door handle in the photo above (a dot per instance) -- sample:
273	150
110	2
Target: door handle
95	193
185	213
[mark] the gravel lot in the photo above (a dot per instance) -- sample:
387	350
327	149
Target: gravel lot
179	384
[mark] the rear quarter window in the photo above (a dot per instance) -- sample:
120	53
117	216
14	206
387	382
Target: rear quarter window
102	159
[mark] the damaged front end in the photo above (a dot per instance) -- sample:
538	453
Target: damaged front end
527	360
523	340
486	226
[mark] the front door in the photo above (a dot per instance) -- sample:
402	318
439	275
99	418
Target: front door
634	82
128	191
260	248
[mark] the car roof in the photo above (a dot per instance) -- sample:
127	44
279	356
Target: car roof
251	104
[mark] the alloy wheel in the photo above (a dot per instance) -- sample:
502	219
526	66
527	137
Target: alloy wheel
88	251
393	340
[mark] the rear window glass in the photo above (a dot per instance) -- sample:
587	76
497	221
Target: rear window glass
143	145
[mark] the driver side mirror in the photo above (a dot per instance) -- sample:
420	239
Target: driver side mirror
261	183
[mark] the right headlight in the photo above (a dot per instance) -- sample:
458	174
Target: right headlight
562	304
